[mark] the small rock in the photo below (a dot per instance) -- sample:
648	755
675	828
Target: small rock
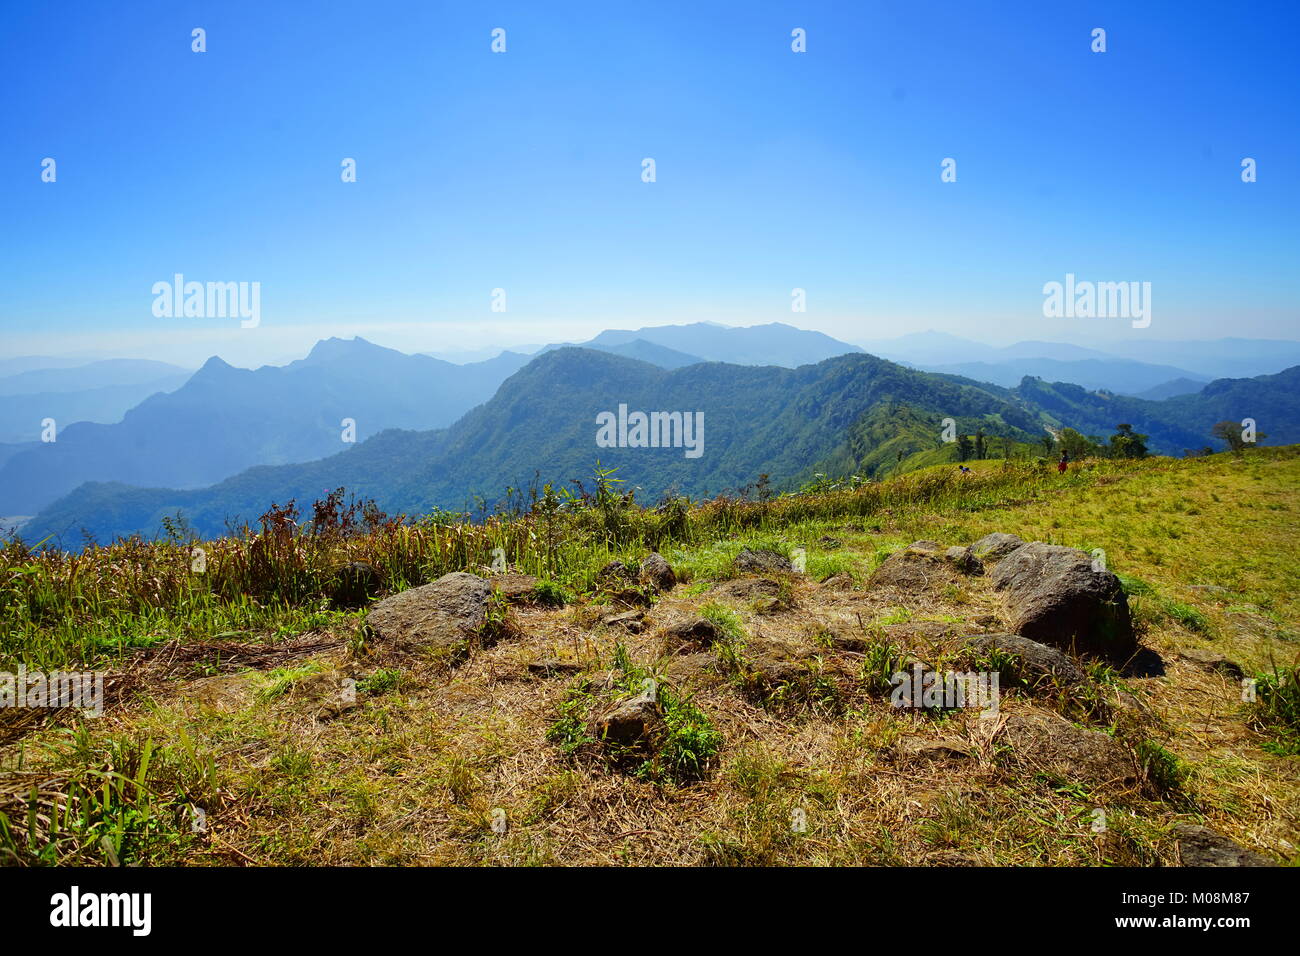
687	667
992	548
914	569
334	708
923	748
839	582
553	667
616	572
630	721
633	621
1201	846
770	605
695	633
763	561
770	662
658	573
449	613
913	633
750	589
951	858
622	584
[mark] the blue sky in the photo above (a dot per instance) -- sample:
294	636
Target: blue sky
522	170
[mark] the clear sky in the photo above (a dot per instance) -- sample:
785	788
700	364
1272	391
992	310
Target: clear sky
522	170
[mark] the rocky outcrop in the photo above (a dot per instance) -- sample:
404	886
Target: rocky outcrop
1053	595
762	561
450	613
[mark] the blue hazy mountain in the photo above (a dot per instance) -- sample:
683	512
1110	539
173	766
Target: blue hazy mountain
225	419
773	344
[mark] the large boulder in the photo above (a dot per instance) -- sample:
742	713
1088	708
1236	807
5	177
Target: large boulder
1055	596
450	613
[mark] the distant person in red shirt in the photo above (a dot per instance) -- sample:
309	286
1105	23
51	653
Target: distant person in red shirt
1064	463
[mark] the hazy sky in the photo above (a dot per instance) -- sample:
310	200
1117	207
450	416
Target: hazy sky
523	170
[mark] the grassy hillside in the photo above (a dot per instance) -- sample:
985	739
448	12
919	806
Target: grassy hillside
222	686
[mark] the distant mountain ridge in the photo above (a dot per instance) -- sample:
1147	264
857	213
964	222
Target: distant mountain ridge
225	419
1195	359
845	413
1115	375
101	374
543	420
773	344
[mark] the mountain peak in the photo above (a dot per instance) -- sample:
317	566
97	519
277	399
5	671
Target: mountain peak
213	367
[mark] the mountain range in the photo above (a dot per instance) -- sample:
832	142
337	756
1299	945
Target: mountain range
191	432
225	419
852	412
